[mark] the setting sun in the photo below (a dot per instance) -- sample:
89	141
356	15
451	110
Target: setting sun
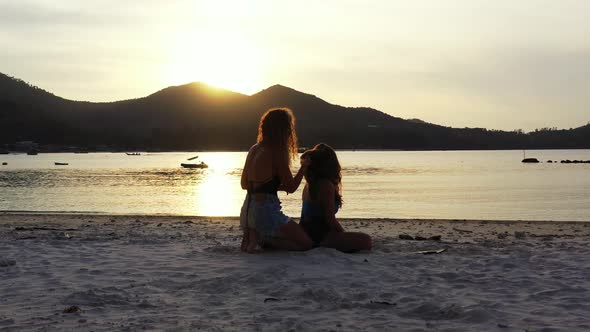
224	60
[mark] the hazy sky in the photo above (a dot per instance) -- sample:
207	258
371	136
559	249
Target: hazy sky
500	64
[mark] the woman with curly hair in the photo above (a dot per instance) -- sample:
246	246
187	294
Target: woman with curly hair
267	170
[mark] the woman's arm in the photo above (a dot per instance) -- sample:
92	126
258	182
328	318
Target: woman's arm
326	198
244	180
290	183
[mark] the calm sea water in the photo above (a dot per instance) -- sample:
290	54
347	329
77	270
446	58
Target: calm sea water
376	184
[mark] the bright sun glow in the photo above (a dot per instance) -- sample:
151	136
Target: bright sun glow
219	59
219	193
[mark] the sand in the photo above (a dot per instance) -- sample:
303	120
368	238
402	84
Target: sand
128	273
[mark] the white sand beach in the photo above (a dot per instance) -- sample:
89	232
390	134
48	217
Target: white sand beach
128	273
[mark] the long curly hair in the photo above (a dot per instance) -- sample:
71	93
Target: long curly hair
277	130
324	165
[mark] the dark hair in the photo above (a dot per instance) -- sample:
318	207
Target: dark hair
324	166
277	129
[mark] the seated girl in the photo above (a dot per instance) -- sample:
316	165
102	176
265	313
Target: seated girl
322	199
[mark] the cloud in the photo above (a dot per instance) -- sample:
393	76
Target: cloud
30	15
540	85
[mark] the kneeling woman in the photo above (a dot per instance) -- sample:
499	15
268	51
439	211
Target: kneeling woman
267	170
322	199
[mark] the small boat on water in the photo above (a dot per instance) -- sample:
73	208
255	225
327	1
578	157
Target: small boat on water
200	165
193	158
4	163
32	153
530	160
60	164
133	153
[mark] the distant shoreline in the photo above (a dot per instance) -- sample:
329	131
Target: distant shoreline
22	213
345	149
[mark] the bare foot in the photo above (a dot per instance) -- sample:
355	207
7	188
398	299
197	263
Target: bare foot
253	248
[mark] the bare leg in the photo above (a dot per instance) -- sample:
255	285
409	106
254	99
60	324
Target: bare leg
252	247
245	236
292	237
347	241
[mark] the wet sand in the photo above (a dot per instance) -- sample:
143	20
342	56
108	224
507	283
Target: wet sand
186	273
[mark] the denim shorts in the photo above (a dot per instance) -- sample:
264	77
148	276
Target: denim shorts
264	214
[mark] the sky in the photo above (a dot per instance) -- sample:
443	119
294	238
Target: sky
500	64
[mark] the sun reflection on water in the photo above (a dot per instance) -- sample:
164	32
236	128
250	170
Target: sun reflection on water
219	192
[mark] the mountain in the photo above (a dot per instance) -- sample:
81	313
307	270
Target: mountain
196	116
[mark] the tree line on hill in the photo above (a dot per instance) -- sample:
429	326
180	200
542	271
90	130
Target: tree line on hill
199	117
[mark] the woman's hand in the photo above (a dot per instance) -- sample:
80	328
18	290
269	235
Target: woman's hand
290	183
305	162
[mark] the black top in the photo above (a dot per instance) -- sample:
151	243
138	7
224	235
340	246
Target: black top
269	187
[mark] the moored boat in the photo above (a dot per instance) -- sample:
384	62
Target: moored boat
200	165
530	160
